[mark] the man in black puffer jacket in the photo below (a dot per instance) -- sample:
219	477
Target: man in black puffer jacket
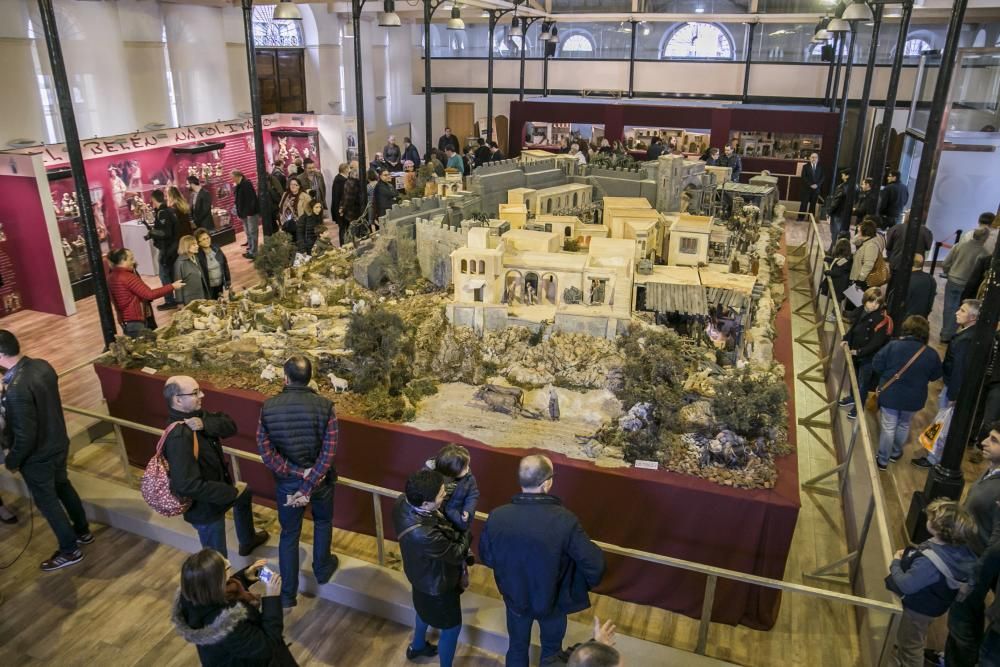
543	562
297	438
202	474
433	552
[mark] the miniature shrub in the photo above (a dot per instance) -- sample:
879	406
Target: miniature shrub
750	402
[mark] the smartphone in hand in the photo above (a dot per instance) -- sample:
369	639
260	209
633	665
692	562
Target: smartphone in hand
266	574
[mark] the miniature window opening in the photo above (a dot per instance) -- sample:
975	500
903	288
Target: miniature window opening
465	266
689	246
482	266
270	32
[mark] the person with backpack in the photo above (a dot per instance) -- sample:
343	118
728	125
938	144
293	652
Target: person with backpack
868	333
198	470
930	576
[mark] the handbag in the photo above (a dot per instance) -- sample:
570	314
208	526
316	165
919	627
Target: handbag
871	404
880	273
155	485
932	438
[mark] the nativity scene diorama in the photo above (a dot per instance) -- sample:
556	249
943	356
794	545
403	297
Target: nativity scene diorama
618	315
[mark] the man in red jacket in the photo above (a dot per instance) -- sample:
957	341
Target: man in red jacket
130	294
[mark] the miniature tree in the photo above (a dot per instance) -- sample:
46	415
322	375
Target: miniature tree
381	355
750	401
273	260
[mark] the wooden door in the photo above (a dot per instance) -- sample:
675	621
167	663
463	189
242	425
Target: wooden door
461	118
282	81
501	128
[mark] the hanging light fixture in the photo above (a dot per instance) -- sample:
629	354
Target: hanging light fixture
554	34
858	11
822	34
456	22
286	10
838	25
544	36
515	27
389	18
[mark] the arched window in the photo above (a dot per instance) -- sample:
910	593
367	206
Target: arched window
698	40
915	46
980	39
576	44
482	267
268	32
465	266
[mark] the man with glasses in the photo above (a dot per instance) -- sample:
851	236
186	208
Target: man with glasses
198	469
529	544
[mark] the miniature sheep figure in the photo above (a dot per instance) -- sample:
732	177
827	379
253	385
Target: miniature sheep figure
339	384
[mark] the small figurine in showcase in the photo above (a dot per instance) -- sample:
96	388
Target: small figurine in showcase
118	187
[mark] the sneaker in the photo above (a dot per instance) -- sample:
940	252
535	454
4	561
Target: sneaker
560	658
893	459
166	306
853	414
881	466
922	462
86	538
322	578
60	560
259	538
428	651
846	401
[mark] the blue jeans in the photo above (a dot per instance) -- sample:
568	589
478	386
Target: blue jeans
952	302
552	630
290	519
894	429
447	642
250	225
56	499
213	535
167	277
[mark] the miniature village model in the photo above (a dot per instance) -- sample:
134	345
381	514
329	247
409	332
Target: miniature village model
617	315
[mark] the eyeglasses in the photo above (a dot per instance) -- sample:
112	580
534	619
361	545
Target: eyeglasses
197	392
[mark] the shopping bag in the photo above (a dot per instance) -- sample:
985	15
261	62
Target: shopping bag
933	437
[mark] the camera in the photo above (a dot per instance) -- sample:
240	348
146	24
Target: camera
266	574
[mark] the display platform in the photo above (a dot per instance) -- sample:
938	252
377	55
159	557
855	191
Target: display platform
660	512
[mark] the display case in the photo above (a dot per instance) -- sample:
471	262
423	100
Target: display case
70	225
691	141
290	145
205	161
776	145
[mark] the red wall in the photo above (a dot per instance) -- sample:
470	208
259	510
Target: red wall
28	245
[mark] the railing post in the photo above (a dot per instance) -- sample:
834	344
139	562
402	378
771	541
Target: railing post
123	454
706	614
237	478
379	529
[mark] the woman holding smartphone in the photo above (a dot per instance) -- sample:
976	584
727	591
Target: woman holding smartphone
228	624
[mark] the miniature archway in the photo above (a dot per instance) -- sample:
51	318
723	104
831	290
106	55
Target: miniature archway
482	266
548	292
530	288
512	285
465	266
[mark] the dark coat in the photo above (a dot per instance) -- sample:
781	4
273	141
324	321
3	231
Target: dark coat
205	480
977	276
220	257
448	140
735	163
868	333
909	392
337	195
839	271
920	294
354	200
462	496
955	361
165	234
318	189
836	206
36	428
434	553
655	151
280	176
866	204
246	199
384	198
496	156
542	559
295	422
307	229
482	156
412	154
812	176
235	634
921	585
893	201
894	245
201	210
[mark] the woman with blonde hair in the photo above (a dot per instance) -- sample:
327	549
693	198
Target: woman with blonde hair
181	208
188	269
293	205
229	625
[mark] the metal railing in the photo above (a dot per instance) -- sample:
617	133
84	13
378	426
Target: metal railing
713	574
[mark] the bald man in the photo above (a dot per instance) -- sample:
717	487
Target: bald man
527	544
202	475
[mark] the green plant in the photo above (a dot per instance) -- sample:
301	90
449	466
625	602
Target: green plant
275	256
571	245
382	354
750	401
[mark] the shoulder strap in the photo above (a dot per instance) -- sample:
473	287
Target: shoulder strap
902	370
407	531
166	432
945	571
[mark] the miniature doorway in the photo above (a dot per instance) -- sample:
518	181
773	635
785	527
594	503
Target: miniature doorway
512	286
531	289
598	290
548	292
477	294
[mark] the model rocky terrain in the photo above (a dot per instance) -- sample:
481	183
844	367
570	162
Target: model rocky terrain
391	355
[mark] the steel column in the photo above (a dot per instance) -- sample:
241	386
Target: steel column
746	66
838	43
880	151
489	77
263	191
428	11
631	62
843	110
72	135
859	134
359	97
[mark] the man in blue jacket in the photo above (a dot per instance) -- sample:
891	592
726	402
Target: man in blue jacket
543	562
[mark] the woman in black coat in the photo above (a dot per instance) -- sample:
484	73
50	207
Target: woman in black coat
837	267
206	252
870	331
309	226
353	204
230	626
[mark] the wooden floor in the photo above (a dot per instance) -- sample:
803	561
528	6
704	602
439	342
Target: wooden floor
114	609
808	632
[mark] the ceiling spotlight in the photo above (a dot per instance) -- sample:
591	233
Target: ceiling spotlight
554	34
699	10
515	27
858	11
389	18
838	25
456	22
544	36
485	14
286	10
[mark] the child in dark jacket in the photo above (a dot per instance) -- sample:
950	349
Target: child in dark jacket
837	267
868	334
461	489
929	577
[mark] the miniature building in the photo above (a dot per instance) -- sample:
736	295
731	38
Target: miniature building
634	218
529	156
689	237
674	175
722	174
560	197
570	227
515	214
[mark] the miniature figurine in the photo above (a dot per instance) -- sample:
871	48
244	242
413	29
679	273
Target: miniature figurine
553	404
